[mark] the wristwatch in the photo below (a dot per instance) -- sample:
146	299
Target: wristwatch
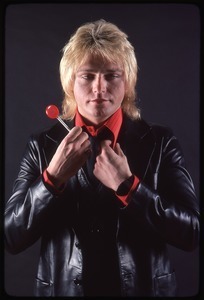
125	186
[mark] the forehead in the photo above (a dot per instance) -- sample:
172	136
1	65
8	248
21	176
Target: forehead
99	64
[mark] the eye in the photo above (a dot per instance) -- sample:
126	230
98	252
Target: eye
111	76
87	76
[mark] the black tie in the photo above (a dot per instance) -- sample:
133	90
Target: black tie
96	147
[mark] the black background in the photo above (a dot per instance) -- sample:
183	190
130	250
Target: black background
167	43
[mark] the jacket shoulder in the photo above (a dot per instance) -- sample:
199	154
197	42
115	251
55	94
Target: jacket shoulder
161	130
54	133
144	127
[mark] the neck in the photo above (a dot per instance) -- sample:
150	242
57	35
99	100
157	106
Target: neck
93	123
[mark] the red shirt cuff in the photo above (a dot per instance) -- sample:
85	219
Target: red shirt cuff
124	198
47	181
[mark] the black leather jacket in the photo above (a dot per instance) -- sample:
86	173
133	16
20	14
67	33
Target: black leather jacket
163	209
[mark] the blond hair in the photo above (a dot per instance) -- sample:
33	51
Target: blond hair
105	40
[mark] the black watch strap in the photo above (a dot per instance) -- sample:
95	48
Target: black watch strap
125	186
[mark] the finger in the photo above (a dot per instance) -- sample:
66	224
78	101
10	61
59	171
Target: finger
105	144
86	146
118	150
73	134
106	149
81	138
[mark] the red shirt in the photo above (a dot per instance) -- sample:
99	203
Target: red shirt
113	123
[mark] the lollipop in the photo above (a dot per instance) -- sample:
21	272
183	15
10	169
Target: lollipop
52	112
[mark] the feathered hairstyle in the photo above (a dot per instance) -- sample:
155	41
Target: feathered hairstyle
105	40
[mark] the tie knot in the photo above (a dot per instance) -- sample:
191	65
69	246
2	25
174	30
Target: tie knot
104	134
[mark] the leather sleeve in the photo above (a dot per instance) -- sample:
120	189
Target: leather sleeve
170	210
30	202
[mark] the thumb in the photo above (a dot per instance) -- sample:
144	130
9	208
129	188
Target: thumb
105	143
118	150
106	148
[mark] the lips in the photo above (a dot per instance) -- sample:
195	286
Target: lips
98	101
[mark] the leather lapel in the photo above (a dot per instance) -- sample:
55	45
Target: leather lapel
53	138
138	143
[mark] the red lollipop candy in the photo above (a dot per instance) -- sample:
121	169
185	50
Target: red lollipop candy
52	112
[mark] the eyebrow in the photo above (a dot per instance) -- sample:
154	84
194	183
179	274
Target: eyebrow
94	70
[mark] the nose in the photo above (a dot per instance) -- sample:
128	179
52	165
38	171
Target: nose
99	84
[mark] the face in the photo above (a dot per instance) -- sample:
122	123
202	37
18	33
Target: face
99	89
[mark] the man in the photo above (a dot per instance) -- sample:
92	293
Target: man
107	197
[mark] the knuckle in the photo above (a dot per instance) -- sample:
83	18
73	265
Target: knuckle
85	135
74	132
77	129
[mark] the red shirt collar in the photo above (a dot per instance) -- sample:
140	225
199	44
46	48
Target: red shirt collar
113	123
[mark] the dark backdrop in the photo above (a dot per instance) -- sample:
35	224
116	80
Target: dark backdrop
167	42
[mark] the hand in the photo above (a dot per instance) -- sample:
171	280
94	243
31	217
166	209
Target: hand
111	166
69	157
